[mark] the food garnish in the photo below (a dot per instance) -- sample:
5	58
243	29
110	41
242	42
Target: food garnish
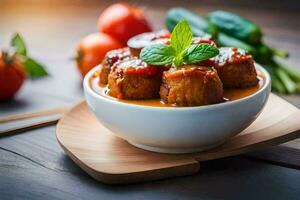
180	51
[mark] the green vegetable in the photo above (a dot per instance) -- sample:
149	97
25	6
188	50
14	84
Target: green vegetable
236	26
32	67
180	50
263	54
227	41
289	77
280	53
237	31
293	74
246	31
290	86
200	26
277	84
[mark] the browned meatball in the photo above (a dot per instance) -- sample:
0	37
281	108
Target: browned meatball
134	79
191	85
138	42
111	58
235	68
206	39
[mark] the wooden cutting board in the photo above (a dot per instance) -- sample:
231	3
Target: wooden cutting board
110	159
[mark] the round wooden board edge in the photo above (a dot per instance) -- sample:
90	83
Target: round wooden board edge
188	168
179	170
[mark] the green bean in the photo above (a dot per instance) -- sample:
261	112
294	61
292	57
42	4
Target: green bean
277	85
225	40
280	53
289	84
292	73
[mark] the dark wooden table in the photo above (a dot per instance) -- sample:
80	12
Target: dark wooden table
33	166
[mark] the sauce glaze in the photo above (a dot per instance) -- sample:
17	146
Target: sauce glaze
229	94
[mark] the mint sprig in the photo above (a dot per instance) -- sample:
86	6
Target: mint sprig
180	51
158	54
181	37
196	53
33	68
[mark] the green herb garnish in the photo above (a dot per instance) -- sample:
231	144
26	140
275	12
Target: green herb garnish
31	66
180	51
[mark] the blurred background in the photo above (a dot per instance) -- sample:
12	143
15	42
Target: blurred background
52	30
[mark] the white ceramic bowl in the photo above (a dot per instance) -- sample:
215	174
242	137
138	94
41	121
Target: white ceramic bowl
177	129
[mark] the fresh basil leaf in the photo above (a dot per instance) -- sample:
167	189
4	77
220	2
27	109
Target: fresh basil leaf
33	68
158	54
18	43
181	37
199	52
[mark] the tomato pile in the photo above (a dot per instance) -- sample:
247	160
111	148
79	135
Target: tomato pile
117	23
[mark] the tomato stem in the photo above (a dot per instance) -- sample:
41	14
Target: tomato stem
78	57
7	57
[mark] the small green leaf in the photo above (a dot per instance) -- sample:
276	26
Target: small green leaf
181	37
18	43
199	52
33	68
180	51
158	54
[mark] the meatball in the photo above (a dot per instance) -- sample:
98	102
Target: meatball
138	42
110	58
134	79
207	39
191	85
235	68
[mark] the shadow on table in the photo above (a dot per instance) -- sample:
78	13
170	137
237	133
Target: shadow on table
235	177
13	103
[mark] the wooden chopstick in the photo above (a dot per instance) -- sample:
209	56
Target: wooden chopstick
42	113
30	126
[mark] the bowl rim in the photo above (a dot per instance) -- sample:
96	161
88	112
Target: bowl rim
89	90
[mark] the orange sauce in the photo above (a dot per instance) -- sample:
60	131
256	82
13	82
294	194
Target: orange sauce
229	94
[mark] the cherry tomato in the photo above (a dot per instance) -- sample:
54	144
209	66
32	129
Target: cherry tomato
12	76
92	49
123	21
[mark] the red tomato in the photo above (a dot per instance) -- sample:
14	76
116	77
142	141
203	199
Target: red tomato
92	49
12	76
122	22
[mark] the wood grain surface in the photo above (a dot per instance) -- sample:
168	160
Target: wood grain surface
110	159
32	164
29	115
